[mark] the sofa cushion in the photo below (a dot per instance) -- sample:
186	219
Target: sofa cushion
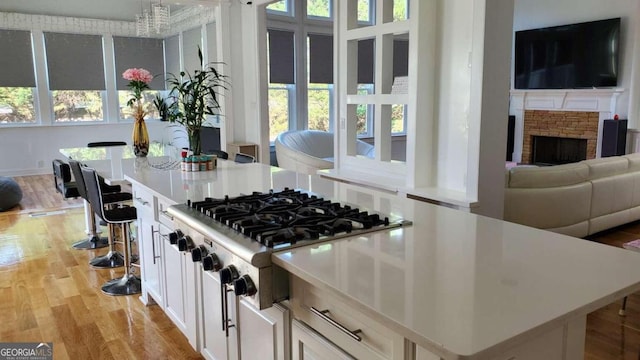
634	161
607	166
549	176
547	208
612	194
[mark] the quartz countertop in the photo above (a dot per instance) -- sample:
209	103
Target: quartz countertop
454	283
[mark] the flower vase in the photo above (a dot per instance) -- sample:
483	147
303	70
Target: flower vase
194	141
140	138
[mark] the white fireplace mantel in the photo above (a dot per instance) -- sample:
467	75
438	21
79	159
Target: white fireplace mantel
602	101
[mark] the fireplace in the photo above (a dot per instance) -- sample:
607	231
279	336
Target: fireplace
553	150
575	125
565	113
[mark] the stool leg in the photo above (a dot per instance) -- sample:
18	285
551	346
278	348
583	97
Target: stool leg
128	284
623	309
112	259
94	241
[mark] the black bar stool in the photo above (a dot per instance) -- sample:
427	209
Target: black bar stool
129	283
112	195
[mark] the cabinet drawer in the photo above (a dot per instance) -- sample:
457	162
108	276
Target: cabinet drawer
310	305
163	216
144	200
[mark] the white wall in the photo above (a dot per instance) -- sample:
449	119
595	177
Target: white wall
30	150
529	14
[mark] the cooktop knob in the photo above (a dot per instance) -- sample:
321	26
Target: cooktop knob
244	286
229	274
174	236
185	243
198	253
211	262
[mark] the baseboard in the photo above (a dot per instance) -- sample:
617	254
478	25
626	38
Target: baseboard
25	172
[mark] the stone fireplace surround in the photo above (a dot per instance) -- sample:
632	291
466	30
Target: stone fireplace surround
563	113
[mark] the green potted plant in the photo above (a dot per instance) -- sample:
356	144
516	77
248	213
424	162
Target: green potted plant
194	96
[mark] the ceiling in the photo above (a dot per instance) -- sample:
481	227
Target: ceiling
123	10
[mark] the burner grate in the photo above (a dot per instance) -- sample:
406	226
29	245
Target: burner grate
286	217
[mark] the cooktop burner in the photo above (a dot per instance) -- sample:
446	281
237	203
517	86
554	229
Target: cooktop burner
288	216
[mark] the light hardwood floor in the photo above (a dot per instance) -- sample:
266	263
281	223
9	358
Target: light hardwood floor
49	293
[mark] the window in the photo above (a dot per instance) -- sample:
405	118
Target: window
17	80
319	9
282	7
16	105
282	84
75	105
365	11
144	53
76	76
278	109
319	106
300	62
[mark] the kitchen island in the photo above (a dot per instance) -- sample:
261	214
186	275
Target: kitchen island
452	285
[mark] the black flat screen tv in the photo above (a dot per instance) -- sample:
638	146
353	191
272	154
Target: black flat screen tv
574	56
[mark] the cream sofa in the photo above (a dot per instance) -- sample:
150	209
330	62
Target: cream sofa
307	151
576	199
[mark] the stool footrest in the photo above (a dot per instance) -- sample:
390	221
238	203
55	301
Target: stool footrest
112	259
126	285
93	242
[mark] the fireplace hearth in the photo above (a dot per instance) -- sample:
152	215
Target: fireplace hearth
553	150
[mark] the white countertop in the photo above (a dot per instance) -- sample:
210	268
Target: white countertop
460	283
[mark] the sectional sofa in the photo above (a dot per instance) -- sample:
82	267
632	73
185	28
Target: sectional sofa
576	199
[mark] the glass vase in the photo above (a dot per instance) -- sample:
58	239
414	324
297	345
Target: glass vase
140	138
194	141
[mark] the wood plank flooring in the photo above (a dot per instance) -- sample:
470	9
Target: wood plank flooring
49	293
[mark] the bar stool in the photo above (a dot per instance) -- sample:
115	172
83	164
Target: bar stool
112	194
129	283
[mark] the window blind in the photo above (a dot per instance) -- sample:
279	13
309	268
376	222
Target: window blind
281	57
366	56
74	61
172	55
320	59
400	58
16	59
147	53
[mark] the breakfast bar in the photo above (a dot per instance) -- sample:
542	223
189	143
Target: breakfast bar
450	285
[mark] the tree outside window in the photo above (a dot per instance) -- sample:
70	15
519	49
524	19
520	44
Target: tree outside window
77	105
16	105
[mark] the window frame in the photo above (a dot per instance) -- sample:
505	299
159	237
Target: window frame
302	25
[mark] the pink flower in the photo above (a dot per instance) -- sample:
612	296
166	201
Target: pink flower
135	74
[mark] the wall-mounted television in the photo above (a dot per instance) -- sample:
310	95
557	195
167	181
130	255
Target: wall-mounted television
573	56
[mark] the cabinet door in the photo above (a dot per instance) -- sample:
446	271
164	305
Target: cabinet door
150	252
263	332
174	264
306	344
214	340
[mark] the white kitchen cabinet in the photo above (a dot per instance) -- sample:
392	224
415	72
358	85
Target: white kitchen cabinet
149	248
175	263
343	324
150	243
252	335
182	293
306	344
